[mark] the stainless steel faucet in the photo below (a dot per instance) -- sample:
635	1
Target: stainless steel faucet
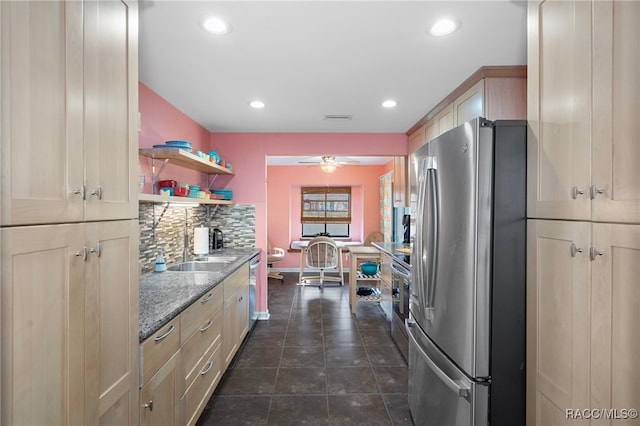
185	256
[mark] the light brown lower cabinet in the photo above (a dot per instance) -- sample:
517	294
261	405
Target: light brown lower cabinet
236	313
158	396
583	316
69	324
183	362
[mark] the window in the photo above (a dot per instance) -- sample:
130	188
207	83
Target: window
325	210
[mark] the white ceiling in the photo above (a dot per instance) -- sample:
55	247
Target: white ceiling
307	59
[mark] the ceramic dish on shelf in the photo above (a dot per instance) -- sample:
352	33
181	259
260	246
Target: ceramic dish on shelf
188	149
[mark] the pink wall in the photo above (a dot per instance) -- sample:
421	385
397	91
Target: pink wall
248	153
283	201
161	121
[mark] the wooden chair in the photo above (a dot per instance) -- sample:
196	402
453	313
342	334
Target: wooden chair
322	253
274	254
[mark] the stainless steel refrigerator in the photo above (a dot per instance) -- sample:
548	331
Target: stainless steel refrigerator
467	304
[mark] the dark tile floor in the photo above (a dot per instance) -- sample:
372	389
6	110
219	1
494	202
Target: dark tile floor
313	363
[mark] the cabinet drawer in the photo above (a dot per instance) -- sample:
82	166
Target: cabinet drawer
209	334
157	349
208	375
235	281
196	314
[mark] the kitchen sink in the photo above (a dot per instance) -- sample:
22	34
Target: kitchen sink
199	266
216	259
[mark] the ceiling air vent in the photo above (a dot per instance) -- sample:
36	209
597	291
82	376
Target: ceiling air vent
338	117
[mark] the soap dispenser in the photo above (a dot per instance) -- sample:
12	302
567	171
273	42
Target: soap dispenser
161	266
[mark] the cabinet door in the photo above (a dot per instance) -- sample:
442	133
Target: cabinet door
159	397
111	109
42	325
236	322
557	320
559	110
399	181
470	104
615	316
111	325
42	148
230	341
417	139
616	107
445	120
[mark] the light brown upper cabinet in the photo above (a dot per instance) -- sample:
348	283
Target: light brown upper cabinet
69	128
584	86
495	93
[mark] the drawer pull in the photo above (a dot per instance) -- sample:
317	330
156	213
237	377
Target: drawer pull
207	368
157	339
240	299
206	299
148	405
206	327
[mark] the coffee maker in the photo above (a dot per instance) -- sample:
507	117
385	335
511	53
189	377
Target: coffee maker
217	242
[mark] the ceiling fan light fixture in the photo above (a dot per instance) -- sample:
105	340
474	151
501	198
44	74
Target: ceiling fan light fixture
328	164
328	167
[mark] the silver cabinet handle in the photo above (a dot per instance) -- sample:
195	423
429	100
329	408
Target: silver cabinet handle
97	250
158	338
595	191
240	299
148	405
81	191
81	253
575	191
594	253
97	192
207	368
206	326
206	299
575	250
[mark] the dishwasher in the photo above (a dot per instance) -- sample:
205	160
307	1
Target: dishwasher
254	263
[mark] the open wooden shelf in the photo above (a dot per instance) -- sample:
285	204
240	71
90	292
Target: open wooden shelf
186	159
153	198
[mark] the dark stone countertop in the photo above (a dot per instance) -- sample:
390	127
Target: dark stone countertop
163	295
392	250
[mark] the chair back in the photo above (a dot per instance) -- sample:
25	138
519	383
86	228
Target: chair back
377	237
322	252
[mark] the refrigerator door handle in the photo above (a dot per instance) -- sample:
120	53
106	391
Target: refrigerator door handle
457	386
434	224
420	290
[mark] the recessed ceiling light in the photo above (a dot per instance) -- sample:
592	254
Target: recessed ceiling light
443	27
256	104
389	103
215	25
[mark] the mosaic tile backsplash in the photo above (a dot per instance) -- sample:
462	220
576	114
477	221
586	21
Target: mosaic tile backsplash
237	223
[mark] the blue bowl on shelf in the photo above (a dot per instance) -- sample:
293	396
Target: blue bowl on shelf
369	268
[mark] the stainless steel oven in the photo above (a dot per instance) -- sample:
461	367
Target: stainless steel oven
400	286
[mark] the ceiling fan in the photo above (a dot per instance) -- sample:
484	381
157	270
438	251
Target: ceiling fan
328	163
